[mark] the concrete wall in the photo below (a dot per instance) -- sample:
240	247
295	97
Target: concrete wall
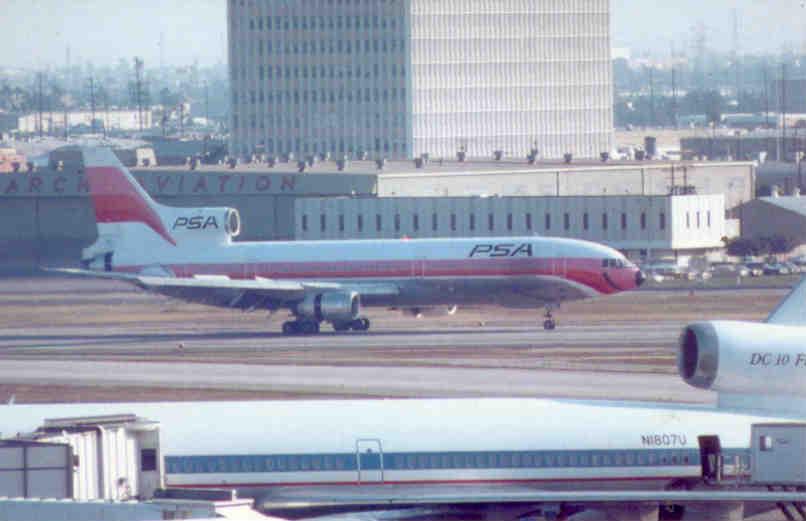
735	180
423	217
46	217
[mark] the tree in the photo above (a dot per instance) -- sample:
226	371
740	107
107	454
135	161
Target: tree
778	244
744	247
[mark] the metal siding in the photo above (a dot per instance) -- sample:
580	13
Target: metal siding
47	456
11	458
49	483
633	238
12	484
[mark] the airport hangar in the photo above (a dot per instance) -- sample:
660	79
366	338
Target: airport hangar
648	209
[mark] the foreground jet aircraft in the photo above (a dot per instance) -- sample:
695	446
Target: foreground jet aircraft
188	253
501	459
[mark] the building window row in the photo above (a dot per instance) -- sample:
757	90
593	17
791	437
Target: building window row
322	96
321	23
698	219
510	222
328	71
306	146
323	47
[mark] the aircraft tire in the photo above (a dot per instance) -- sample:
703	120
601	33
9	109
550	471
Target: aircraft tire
290	328
360	324
549	325
309	327
341	326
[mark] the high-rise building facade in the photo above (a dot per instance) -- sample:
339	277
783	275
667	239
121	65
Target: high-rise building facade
400	78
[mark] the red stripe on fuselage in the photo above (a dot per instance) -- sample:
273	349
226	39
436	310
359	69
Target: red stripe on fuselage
587	272
117	201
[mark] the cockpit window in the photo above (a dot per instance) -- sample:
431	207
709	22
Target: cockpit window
614	263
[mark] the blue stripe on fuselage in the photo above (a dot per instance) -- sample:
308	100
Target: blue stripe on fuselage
279	463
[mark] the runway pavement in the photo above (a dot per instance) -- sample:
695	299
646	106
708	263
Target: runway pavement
357	381
103	334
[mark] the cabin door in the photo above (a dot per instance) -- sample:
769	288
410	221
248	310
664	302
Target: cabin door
369	460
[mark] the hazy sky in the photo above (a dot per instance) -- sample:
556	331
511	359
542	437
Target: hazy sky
37	32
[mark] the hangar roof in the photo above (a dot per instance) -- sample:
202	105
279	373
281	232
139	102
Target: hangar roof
793	203
437	167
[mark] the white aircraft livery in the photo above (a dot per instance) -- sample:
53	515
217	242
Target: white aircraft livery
189	253
522	456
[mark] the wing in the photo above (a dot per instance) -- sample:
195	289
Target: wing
223	291
792	310
305	502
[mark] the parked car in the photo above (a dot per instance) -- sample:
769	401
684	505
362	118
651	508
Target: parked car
799	261
756	268
729	269
667	270
792	267
775	268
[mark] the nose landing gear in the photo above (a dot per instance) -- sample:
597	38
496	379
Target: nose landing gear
549	324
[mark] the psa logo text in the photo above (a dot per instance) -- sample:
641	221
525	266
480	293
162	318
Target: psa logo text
501	250
196	223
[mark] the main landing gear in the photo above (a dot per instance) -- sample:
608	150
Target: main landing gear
304	326
549	324
359	324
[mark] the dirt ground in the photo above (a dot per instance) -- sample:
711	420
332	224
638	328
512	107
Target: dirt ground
55	306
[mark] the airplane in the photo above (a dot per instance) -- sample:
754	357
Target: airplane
189	253
498	458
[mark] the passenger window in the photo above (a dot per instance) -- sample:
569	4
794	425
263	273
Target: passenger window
479	461
399	462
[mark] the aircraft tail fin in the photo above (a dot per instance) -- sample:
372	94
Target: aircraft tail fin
792	310
117	196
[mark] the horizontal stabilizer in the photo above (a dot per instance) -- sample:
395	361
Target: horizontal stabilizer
792	310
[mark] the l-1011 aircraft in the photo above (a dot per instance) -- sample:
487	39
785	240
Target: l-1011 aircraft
497	458
188	253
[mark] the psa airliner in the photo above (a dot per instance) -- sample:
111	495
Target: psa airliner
189	253
522	456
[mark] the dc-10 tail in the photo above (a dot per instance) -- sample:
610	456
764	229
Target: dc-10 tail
130	222
751	365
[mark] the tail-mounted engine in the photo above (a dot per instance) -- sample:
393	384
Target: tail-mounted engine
222	224
744	357
333	306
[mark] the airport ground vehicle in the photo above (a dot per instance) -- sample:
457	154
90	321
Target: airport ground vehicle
190	254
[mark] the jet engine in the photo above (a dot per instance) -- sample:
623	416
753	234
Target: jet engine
743	357
333	306
223	224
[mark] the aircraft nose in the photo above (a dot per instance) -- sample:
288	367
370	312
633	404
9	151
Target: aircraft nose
640	278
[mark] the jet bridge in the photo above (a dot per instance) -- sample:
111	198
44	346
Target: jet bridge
102	457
